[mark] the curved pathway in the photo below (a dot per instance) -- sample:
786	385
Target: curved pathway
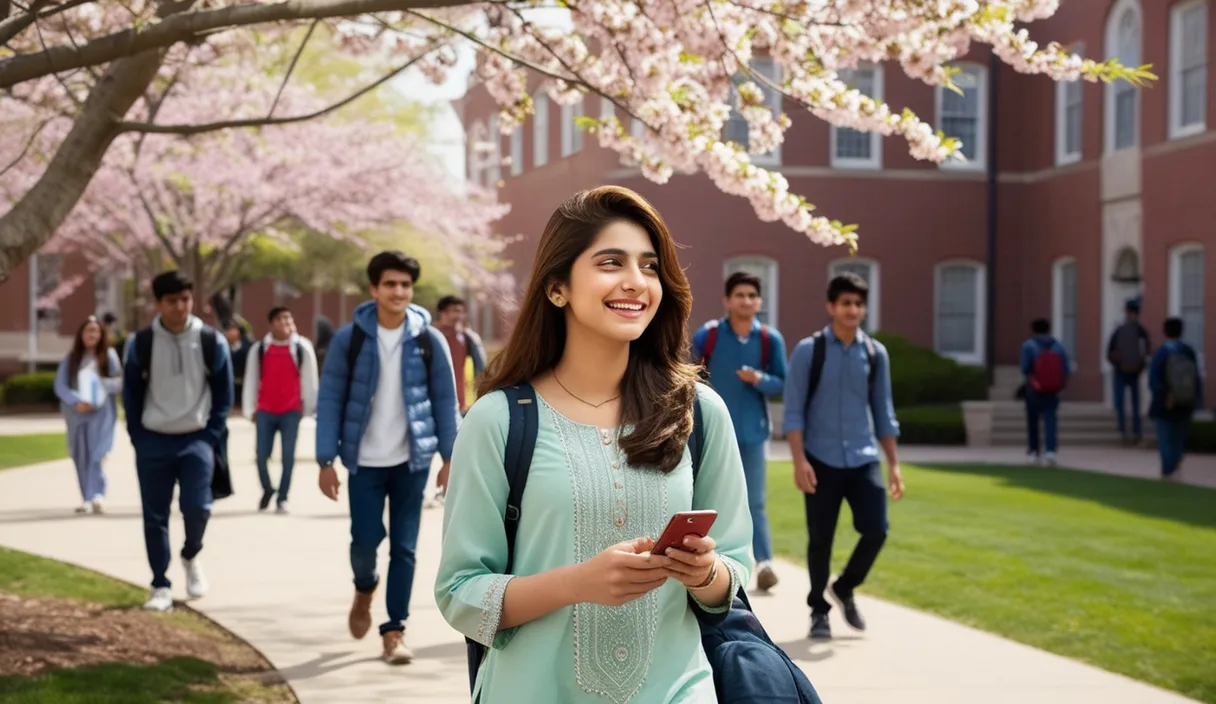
283	583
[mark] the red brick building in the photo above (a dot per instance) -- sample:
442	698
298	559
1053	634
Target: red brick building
1102	193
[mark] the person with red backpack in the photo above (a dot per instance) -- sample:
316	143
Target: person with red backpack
1046	367
744	361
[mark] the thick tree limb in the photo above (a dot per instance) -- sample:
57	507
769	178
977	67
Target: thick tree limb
34	218
190	25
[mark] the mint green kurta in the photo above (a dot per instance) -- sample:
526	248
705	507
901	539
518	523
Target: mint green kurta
582	498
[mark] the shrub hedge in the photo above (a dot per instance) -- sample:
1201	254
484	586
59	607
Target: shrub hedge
31	389
921	377
932	425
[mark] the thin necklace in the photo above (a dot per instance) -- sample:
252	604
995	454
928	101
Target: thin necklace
593	405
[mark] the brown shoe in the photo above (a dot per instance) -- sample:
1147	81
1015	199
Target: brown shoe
360	620
766	578
395	650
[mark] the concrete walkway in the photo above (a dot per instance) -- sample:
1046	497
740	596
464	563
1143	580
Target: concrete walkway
283	584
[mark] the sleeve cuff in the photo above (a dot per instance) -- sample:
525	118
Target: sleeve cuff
733	570
491	614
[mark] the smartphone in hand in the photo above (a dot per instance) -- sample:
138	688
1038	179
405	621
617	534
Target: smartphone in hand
682	525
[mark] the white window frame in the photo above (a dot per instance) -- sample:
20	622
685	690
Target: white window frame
770	69
475	161
874	299
769	280
981	134
1057	306
875	160
494	168
540	130
1177	129
1176	254
1063	155
1112	49
572	135
975	357
607	107
517	150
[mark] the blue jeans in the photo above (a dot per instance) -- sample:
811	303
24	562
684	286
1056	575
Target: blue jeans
1171	441
369	487
863	488
1122	382
1043	407
288	424
755	470
190	467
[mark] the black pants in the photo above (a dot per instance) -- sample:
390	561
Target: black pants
863	488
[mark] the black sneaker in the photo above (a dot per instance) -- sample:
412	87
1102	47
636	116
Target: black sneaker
851	615
267	495
821	629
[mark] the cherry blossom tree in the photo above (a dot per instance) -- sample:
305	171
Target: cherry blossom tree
670	64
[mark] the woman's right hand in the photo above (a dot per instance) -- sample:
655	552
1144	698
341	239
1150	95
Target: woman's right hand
84	407
621	573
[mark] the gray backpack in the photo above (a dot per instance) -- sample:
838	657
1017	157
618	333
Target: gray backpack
1128	354
1181	381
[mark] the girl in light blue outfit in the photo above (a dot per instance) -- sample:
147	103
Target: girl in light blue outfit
88	383
588	614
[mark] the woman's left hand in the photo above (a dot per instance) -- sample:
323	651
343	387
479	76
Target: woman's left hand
692	564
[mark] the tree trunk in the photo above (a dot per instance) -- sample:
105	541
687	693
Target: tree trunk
34	219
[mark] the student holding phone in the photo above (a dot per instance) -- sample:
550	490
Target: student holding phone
588	612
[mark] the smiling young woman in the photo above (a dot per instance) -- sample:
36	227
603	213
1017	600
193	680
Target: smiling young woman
601	337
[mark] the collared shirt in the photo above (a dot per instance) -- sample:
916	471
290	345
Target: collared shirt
842	426
748	403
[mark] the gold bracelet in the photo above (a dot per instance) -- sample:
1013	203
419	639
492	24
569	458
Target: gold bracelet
709	582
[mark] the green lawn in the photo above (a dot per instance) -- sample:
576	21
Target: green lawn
1114	571
27	575
20	450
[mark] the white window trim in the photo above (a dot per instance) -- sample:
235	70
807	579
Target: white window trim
571	144
981	133
607	107
494	167
475	161
517	150
1175	283
773	158
874	300
540	130
1064	157
771	282
1057	304
1112	43
875	160
977	356
1176	129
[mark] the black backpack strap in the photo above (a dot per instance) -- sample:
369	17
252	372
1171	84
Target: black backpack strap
819	353
143	352
353	347
299	358
872	358
209	341
517	459
696	441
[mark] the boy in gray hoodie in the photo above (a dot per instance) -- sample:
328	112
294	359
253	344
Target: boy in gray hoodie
177	402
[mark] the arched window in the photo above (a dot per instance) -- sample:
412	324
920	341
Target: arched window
1187	278
958	304
1188	68
1064	301
965	117
867	269
1123	41
766	270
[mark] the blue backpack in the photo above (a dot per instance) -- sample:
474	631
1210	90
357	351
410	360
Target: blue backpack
748	667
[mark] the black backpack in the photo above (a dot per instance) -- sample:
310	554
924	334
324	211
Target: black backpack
358	336
819	354
221	478
748	666
299	355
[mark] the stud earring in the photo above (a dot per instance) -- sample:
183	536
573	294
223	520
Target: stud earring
559	301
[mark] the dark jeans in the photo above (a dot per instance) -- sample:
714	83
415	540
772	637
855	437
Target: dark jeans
863	488
1122	382
369	487
1045	408
287	424
191	468
1171	441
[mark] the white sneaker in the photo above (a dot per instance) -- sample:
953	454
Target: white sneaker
99	505
1050	459
85	508
1032	458
196	581
160	600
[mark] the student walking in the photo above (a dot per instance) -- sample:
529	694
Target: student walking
838	410
745	362
87	383
600	349
177	393
387	405
1177	392
280	389
463	342
1128	352
1045	365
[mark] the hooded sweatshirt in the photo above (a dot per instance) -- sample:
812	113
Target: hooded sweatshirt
274	384
178	400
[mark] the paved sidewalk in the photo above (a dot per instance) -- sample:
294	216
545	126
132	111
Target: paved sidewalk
283	584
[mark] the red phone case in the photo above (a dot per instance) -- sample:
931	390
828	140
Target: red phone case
682	525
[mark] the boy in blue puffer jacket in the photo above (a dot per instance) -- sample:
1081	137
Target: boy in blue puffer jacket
386	405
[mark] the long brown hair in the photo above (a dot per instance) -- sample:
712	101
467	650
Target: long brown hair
101	352
659	387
